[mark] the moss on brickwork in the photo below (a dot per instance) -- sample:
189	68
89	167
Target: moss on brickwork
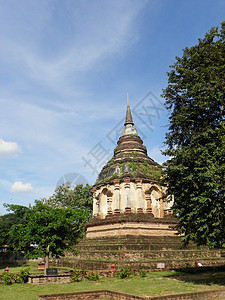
130	160
129	168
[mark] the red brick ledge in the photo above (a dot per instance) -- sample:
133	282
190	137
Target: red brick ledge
131	228
133	217
87	295
44	279
207	295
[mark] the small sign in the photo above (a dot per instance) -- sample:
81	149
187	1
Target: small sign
160	265
51	271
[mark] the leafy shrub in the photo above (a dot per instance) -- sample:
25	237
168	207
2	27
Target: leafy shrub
77	275
92	276
143	273
17	278
124	272
24	274
76	252
7	278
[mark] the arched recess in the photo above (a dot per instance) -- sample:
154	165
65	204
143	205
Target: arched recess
154	204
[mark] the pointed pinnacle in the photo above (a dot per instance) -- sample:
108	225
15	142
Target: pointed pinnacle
129	119
128	104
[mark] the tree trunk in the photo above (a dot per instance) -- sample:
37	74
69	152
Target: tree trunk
47	261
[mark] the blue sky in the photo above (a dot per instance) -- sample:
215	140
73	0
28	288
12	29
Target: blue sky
66	68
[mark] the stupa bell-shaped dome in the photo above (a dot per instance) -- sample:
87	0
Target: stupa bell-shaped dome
130	158
129	183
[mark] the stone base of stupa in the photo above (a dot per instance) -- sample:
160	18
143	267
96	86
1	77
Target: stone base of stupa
133	241
136	240
133	224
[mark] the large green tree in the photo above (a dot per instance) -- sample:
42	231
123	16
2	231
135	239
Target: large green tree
51	225
18	216
195	141
47	229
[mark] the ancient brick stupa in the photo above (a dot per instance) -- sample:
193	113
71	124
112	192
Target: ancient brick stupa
127	196
132	220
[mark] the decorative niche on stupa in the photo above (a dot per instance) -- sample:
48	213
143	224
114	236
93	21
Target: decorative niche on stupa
130	181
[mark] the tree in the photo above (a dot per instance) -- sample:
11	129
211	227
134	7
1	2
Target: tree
47	229
195	141
7	220
80	197
52	224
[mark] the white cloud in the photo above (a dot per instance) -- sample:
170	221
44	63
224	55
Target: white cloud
88	34
19	187
8	148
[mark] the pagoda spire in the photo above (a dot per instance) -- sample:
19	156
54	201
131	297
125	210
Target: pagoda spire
129	128
129	119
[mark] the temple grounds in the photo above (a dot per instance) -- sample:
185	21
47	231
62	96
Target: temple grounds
154	284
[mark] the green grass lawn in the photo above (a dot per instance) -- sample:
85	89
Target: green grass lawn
156	283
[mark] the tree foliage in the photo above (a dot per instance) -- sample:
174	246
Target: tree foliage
52	224
47	229
18	216
196	139
79	197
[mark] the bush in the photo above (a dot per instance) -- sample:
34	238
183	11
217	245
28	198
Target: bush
124	272
76	252
7	278
17	278
24	274
143	273
77	275
92	276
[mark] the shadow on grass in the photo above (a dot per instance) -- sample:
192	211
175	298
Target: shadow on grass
12	264
201	275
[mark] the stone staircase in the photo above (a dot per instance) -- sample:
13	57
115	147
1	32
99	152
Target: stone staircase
139	252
